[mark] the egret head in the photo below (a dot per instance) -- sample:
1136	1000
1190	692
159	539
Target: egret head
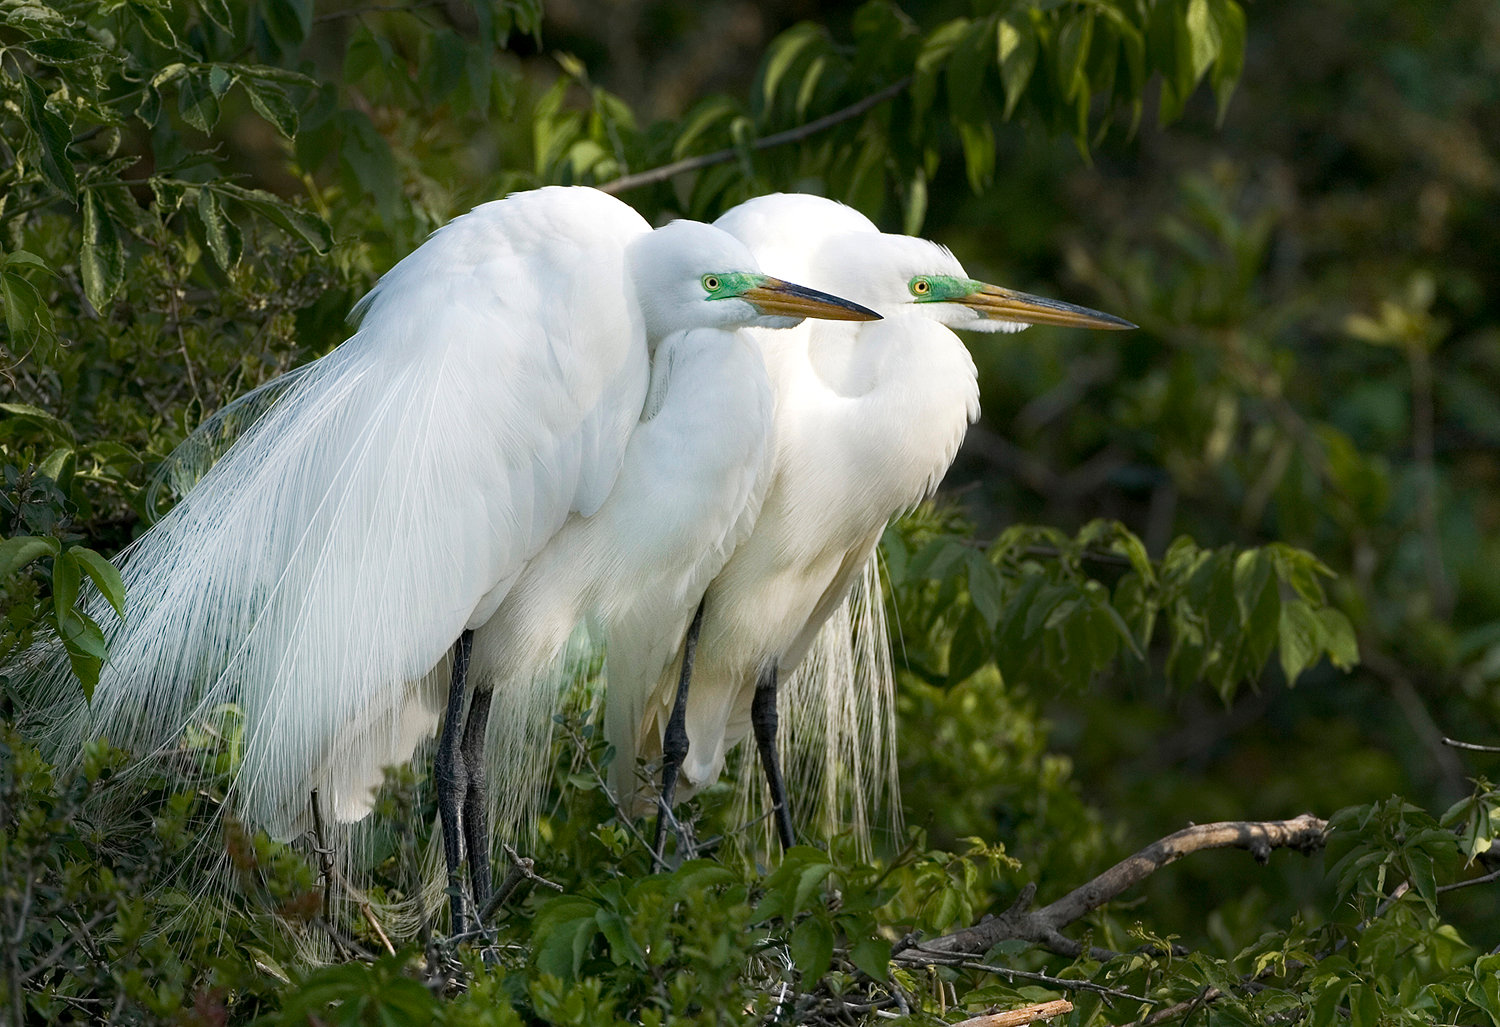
900	274
692	275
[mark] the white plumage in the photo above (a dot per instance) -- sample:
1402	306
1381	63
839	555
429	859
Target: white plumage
868	419
397	491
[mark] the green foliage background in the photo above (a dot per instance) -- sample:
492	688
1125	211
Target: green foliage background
1286	477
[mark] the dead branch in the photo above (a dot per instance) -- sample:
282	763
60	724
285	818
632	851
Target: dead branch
1043	926
1018	1017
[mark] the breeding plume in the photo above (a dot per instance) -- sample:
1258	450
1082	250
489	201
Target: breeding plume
868	418
396	491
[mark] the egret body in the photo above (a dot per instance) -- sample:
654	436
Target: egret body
397	491
868	419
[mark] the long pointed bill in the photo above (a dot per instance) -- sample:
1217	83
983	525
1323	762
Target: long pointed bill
1023	308
773	296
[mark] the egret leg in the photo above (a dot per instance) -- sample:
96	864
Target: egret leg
674	746
763	720
476	800
448	771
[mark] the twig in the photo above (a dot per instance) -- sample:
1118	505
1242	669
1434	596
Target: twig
1172	1012
325	854
1470	746
61	948
1456	885
627	821
1018	1017
791	135
1044	926
972	961
521	869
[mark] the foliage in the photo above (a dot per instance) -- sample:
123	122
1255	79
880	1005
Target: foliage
1288	470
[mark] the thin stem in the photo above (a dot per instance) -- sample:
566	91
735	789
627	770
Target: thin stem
791	135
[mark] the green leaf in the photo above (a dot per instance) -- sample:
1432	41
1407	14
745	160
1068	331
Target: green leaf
217	11
86	669
66	51
81	635
783	52
102	258
978	141
872	956
25	258
288	21
197	103
24	310
55	427
986	588
622	947
811	948
1229	17
271	102
964	73
17	552
368	157
914	204
1203	38
970	649
309	227
105	575
1339	639
808	881
1017	49
219	81
222	235
155	24
1299	636
52	138
1073	52
66	578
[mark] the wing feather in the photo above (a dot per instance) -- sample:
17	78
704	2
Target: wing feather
388	494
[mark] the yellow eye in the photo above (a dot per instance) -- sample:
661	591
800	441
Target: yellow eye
920	287
711	282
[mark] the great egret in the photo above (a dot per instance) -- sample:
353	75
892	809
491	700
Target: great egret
868	419
399	489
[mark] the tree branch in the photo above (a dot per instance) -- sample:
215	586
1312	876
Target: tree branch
1043	926
791	135
1020	1017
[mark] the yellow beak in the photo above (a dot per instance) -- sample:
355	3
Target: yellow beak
773	296
1023	308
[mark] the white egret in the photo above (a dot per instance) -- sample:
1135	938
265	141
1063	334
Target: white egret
868	419
396	492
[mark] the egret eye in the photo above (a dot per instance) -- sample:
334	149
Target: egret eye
711	283
921	287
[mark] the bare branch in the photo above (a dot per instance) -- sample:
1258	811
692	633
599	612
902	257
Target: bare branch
791	135
1044	926
1019	1017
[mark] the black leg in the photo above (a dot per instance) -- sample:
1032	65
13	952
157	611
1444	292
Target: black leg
448	771
476	800
763	719
674	746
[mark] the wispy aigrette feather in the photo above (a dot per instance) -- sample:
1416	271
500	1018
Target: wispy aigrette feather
385	500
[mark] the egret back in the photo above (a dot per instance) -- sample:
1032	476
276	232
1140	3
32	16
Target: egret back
383	503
